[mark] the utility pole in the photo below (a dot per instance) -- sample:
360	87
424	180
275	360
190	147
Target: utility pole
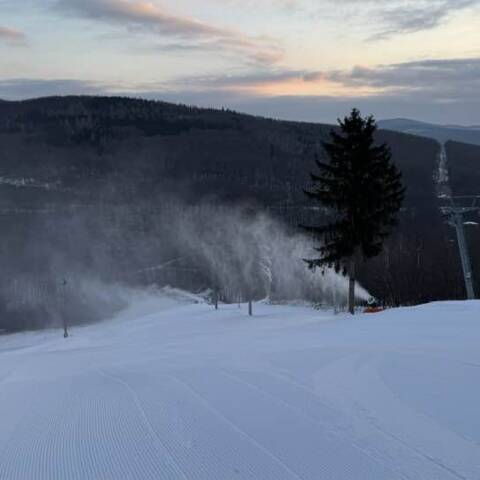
456	219
215	297
64	309
335	308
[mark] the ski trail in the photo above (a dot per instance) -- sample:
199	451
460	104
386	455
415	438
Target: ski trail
311	405
190	393
439	464
126	447
371	402
238	430
277	425
442	176
322	425
145	419
116	431
193	430
42	446
81	428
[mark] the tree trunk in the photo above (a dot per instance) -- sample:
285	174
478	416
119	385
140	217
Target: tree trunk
250	308
351	286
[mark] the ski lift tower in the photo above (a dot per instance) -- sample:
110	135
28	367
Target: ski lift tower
456	218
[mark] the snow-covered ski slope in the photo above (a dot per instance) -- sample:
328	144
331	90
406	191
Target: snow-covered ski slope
174	390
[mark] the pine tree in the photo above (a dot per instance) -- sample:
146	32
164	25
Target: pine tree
362	189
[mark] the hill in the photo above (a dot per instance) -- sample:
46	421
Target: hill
101	137
106	186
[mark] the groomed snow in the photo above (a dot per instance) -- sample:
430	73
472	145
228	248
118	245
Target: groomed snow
175	390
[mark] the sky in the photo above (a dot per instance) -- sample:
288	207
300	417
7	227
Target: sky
308	60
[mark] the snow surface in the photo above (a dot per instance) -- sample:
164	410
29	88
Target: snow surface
171	389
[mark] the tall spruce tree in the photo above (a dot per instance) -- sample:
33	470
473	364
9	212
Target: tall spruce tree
362	189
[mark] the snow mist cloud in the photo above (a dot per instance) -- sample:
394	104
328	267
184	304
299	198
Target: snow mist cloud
251	254
81	265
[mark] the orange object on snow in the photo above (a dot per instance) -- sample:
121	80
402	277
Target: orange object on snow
373	310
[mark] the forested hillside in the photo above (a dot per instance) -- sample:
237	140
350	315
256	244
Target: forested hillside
92	184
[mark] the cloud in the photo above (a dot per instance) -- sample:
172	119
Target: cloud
287	6
311	108
431	90
415	16
384	18
146	17
426	89
12	36
239	81
440	78
444	79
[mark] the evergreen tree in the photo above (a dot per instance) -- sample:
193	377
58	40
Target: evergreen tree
362	189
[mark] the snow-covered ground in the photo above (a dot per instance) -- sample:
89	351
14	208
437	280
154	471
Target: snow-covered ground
175	390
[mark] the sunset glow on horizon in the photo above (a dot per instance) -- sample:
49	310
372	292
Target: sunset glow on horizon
387	56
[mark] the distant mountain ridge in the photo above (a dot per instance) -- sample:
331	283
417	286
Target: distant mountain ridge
441	133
